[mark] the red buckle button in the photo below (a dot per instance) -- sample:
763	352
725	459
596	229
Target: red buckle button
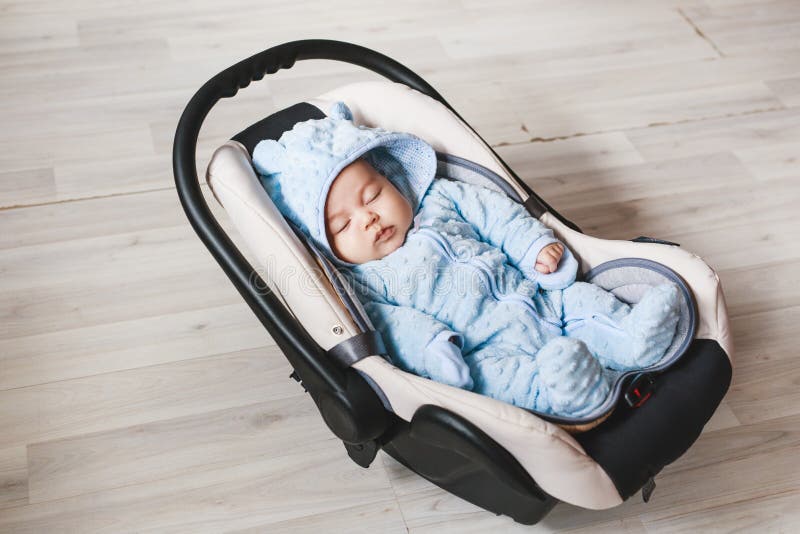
640	389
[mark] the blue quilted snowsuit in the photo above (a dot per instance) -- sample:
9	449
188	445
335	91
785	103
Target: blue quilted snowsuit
460	301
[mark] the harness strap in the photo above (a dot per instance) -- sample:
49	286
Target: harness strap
358	347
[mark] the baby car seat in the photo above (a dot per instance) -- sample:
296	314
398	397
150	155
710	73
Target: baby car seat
503	458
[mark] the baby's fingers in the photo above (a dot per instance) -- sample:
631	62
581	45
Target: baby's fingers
548	265
551	257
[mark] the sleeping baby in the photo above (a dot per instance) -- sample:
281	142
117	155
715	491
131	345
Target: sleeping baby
465	287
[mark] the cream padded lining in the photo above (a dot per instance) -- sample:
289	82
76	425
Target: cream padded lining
285	263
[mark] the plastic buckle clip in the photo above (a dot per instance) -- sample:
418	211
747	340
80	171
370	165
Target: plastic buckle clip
640	390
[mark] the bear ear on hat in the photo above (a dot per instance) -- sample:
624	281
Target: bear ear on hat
339	110
269	157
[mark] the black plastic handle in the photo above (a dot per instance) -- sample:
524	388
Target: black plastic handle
284	56
301	350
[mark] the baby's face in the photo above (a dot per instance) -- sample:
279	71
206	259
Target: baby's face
366	217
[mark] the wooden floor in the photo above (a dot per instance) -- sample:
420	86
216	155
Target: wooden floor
137	391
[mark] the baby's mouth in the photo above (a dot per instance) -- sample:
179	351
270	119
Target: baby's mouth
384	234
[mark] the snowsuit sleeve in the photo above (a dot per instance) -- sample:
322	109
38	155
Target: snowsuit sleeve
507	225
419	343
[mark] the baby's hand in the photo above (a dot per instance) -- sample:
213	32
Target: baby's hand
444	363
548	258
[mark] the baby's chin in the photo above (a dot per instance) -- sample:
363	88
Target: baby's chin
388	249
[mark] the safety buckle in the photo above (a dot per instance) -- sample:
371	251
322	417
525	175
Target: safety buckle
640	389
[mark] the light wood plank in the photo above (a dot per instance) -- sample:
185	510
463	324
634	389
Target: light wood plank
773	513
580	156
787	90
139	342
13	476
256	493
770	287
365	519
168	448
103	402
766	26
776	160
707	136
766	374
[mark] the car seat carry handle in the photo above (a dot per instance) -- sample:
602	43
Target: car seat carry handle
284	56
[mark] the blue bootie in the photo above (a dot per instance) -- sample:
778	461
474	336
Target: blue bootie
650	327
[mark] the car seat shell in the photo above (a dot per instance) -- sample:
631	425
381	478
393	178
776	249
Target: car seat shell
556	461
550	454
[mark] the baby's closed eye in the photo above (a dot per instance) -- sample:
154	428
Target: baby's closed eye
341	229
375	196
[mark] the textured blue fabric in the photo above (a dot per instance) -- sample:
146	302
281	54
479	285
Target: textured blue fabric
466	272
467	267
297	170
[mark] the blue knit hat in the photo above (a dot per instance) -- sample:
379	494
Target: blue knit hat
297	170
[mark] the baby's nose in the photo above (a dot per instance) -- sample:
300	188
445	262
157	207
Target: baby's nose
371	217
